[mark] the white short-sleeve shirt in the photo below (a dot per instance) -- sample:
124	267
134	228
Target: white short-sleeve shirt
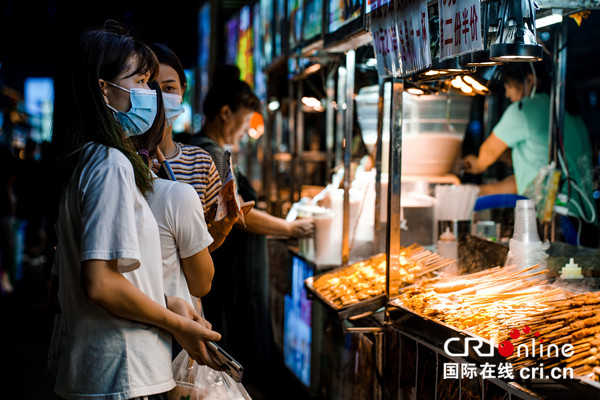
104	216
183	232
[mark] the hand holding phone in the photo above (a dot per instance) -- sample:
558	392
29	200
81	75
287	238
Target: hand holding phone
228	363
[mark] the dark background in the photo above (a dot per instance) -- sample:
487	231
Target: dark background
35	35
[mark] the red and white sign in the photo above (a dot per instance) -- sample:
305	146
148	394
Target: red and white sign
413	35
460	27
400	32
385	41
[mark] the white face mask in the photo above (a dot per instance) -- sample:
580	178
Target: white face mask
140	117
173	107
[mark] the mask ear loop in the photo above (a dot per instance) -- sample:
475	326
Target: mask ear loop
112	108
534	80
119	87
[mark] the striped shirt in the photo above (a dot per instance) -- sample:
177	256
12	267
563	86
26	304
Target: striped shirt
193	165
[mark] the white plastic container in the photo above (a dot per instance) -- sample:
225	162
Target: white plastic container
571	271
525	248
327	240
447	246
433	129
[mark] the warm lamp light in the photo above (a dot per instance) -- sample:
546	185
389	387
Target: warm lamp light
257	126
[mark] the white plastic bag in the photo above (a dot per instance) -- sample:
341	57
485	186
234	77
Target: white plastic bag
199	382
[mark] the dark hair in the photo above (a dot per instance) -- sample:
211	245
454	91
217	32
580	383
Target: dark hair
226	73
81	114
518	72
167	56
229	90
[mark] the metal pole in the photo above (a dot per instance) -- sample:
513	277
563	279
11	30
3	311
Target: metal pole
562	77
339	132
560	99
292	142
379	363
394	187
347	146
268	159
329	125
299	143
378	153
557	104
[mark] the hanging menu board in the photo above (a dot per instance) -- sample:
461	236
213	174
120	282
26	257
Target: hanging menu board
385	41
400	32
460	27
413	34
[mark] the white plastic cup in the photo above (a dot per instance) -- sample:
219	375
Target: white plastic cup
328	241
525	222
306	244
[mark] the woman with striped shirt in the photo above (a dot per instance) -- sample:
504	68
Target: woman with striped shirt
190	164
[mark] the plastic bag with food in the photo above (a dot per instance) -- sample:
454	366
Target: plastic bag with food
199	382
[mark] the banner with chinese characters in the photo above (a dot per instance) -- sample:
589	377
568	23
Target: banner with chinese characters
412	21
385	41
400	32
460	27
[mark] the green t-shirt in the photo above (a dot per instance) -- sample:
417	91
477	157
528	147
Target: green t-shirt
526	131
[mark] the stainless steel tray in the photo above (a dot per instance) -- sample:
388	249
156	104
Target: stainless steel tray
363	306
430	262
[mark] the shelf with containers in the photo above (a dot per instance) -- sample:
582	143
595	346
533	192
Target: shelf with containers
317	346
486	306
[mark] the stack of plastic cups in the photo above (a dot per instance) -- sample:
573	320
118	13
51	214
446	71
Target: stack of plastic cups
525	248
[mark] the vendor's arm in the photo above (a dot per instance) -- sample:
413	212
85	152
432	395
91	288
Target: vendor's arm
491	149
506	185
262	223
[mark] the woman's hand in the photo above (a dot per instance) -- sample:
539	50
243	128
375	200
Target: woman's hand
193	337
181	307
219	229
301	228
194	332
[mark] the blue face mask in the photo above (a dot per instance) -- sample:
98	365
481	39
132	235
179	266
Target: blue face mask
173	107
143	111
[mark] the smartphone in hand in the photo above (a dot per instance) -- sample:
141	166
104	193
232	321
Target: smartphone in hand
225	361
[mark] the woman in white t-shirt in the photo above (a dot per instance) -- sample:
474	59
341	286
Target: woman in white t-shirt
116	343
188	268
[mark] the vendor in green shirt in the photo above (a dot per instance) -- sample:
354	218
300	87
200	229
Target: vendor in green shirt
524	128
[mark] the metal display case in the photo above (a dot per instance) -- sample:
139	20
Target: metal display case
432	337
405	349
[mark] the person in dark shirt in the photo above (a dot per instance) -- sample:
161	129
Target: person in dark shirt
238	304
